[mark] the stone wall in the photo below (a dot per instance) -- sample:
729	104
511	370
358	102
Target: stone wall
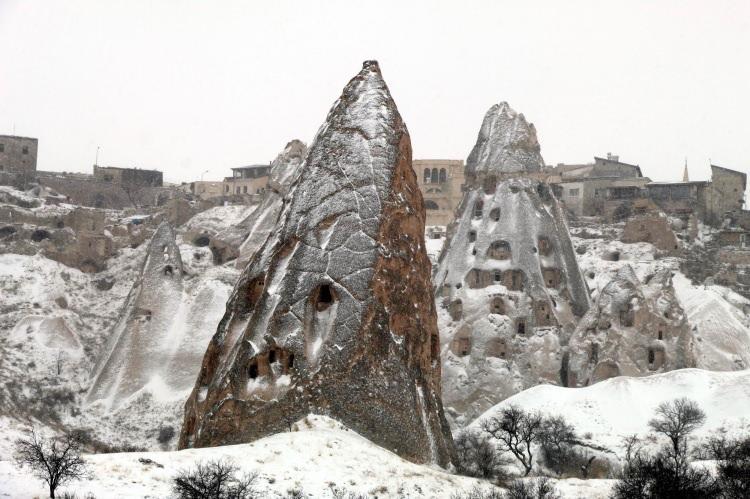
129	177
726	193
17	154
652	229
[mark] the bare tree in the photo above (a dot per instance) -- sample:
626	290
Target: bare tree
214	480
516	430
676	420
55	460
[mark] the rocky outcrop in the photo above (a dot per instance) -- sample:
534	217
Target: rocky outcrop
506	143
241	241
262	222
634	329
334	314
508	282
144	345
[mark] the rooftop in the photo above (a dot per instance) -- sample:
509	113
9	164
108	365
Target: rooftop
17	137
251	167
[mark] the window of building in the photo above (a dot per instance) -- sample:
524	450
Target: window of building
244	189
430	205
443	175
226	188
426	175
25	150
573	192
2	147
434	177
237	190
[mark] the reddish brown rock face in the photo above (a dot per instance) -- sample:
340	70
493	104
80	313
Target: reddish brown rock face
335	313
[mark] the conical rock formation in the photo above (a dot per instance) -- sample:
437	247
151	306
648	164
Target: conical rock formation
507	143
508	284
334	314
634	329
141	346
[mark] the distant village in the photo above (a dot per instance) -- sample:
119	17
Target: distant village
606	187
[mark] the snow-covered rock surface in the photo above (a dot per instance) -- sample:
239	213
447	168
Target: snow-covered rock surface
506	143
634	328
145	343
334	314
719	319
262	222
508	283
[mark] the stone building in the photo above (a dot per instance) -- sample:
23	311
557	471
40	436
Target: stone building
247	180
712	201
441	182
727	193
17	154
204	189
597	188
129	177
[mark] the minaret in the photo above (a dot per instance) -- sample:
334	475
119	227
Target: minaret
685	177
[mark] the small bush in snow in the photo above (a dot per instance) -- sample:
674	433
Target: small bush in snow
479	457
733	467
343	493
166	433
541	488
214	480
668	475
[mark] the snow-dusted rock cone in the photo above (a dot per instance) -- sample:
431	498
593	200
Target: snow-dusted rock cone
506	143
334	314
142	347
507	278
634	329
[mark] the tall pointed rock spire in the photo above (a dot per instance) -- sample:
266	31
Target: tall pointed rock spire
335	314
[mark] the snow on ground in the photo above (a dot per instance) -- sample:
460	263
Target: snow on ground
720	321
218	218
617	407
321	453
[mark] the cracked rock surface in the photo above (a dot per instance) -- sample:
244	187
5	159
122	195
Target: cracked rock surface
335	314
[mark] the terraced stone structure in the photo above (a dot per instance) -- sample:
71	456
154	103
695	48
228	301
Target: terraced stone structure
334	314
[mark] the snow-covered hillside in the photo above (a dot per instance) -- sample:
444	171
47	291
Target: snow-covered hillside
622	406
319	455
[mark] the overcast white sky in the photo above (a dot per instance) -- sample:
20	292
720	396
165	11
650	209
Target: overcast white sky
189	86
